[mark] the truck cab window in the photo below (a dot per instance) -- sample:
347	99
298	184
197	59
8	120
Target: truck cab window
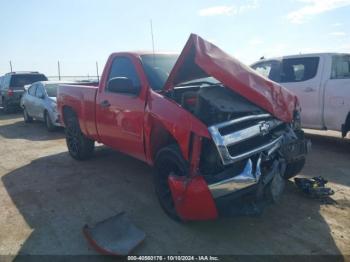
123	67
299	69
263	69
340	67
269	69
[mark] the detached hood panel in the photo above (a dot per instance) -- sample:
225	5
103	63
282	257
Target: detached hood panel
200	59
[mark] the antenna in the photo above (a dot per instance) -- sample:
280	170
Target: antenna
10	65
152	41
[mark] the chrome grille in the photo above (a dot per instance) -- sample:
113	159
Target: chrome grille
261	125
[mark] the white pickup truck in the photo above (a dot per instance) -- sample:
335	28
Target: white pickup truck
322	83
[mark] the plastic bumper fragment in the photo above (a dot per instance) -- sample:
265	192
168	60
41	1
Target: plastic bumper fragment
192	198
114	236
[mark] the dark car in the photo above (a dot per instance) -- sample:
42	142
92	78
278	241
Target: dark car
12	88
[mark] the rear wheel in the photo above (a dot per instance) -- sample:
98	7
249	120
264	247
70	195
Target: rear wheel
79	146
294	168
27	118
169	161
49	126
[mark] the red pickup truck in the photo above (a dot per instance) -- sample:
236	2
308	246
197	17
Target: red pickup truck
221	138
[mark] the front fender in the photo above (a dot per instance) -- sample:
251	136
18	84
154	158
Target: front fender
178	122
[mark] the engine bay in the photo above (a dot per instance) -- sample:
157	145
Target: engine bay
213	103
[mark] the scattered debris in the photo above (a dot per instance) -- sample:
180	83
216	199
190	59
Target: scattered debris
315	187
114	236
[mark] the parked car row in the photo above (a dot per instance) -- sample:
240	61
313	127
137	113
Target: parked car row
12	88
34	94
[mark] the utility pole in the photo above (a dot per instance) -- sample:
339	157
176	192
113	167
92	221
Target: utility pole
59	70
98	76
10	65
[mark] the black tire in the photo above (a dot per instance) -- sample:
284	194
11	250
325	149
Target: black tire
27	118
168	161
294	168
48	123
79	146
6	107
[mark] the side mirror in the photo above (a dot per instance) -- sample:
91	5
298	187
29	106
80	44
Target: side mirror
122	85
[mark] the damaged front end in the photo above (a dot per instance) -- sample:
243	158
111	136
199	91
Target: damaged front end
243	163
254	134
261	147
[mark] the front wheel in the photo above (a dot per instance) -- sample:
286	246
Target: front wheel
79	146
169	161
294	168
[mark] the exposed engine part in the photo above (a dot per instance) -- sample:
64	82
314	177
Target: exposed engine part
276	186
218	104
213	104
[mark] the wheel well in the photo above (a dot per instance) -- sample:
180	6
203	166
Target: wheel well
160	138
67	112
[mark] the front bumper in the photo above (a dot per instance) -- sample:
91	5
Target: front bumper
194	199
197	198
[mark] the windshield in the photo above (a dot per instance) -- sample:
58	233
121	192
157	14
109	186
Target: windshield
51	90
20	81
157	68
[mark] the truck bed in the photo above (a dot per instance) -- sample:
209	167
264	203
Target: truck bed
81	99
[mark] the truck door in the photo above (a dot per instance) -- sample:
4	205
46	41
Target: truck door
303	76
119	113
337	92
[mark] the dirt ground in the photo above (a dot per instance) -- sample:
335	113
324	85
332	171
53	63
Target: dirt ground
46	197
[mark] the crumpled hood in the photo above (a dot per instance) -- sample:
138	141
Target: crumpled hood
200	59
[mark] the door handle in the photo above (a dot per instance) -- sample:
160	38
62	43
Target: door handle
309	89
105	104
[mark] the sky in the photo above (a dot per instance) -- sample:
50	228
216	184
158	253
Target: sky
35	34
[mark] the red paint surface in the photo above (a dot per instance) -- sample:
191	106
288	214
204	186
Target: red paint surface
192	198
200	58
